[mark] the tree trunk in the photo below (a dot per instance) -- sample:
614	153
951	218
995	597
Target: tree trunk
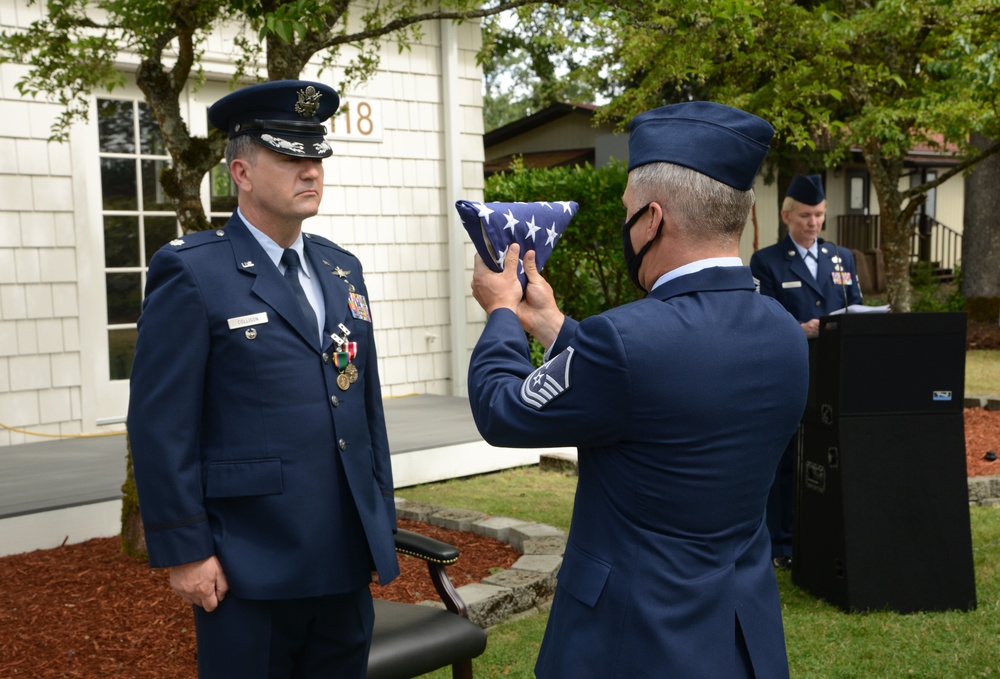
133	541
895	223
981	237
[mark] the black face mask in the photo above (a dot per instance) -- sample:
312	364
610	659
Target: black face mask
633	259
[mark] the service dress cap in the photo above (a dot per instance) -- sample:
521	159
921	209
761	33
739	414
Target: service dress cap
807	189
284	116
718	141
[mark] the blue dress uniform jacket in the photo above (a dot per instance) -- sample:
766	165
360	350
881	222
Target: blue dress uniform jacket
680	405
783	275
243	445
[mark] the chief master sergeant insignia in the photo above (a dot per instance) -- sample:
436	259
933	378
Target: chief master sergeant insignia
548	381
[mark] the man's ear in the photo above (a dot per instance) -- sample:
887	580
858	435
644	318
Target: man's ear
239	169
655	221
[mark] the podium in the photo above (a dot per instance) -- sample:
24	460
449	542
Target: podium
882	507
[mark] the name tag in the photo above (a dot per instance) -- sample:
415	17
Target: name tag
792	284
244	321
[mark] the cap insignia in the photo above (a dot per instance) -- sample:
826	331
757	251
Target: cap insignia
308	102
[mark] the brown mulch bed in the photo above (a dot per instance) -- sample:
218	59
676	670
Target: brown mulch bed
88	611
982	436
982	427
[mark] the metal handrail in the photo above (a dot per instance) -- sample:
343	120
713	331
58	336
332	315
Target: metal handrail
931	241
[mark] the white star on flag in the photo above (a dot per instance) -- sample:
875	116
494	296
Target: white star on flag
492	236
511	223
484	211
531	228
551	240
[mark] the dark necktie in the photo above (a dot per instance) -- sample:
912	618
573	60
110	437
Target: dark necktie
290	259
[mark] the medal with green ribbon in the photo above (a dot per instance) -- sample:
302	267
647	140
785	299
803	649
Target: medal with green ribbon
342	359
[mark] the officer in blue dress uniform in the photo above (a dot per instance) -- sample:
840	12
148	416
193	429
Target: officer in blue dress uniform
680	406
255	414
811	277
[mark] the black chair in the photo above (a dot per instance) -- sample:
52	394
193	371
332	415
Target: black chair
409	639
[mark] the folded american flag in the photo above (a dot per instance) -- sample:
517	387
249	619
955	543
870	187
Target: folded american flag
533	226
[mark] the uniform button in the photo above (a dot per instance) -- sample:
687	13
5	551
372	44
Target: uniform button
819	303
326	357
335	401
342	443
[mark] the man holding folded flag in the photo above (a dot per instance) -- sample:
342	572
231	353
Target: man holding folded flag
680	405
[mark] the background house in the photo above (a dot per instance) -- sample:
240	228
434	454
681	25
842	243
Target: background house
80	220
565	134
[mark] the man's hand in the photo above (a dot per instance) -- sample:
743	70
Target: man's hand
497	290
538	312
811	328
201	583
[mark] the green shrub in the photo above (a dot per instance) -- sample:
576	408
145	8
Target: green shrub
931	294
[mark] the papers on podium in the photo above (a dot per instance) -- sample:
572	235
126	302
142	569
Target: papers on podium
862	309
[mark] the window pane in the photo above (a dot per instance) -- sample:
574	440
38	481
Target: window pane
150	139
153	198
121	349
223	190
121	241
115	125
159	232
124	297
118	184
219	222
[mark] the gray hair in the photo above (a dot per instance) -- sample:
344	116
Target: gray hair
242	146
705	209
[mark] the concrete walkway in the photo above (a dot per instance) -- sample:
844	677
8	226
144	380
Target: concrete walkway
68	490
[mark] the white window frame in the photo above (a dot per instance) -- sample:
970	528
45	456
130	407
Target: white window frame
105	401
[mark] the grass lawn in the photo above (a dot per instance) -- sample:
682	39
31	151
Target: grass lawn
982	372
822	641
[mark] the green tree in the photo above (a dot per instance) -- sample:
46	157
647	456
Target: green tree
534	57
981	241
840	77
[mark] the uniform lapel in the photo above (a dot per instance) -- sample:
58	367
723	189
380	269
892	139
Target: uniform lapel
268	283
329	264
824	269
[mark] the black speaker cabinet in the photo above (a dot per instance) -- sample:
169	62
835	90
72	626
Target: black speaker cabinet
882	507
870	364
